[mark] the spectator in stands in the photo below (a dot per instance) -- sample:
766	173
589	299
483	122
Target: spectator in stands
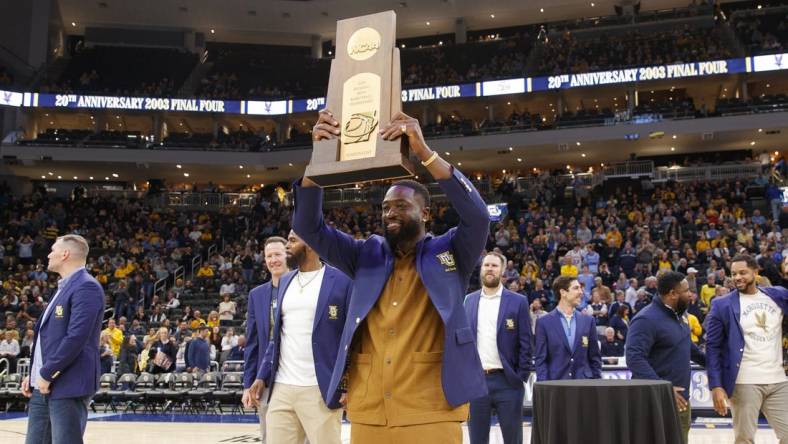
642	300
199	353
27	343
156	317
205	271
229	340
213	319
620	322
197	321
537	312
163	352
237	352
123	306
611	345
115	337
597	308
226	309
105	353
569	268
9	349
127	362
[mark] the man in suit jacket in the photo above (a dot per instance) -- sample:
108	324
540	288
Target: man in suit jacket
744	361
566	340
311	308
501	322
260	309
65	367
413	365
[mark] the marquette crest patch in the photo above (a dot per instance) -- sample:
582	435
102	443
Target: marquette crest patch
510	324
59	311
447	260
333	312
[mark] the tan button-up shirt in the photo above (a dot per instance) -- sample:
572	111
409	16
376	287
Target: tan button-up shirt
394	377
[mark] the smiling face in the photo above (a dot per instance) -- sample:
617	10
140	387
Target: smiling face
404	215
573	295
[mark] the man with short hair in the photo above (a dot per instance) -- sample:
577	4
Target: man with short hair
311	310
260	309
65	367
744	331
199	353
611	345
659	346
407	350
566	339
500	321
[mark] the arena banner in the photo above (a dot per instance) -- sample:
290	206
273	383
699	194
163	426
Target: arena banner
263	108
501	87
124	103
10	98
639	74
439	92
771	62
699	396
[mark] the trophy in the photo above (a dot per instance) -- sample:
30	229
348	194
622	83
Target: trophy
364	90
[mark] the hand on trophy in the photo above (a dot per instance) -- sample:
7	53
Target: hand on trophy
326	128
402	125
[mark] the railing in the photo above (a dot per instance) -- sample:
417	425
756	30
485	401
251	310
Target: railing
160	289
179	273
211	200
5	367
196	261
708	172
629	169
23	367
211	250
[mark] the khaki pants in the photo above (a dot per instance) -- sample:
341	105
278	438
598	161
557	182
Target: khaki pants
749	399
295	413
440	432
261	412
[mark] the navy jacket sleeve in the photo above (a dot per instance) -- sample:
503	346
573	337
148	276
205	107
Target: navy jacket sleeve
337	248
639	342
471	236
595	355
525	364
252	351
87	307
715	341
540	354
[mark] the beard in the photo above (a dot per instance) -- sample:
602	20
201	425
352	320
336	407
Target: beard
681	306
491	281
296	258
744	285
408	230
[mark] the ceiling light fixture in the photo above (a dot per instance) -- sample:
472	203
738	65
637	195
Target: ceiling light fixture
178	166
115	175
185	174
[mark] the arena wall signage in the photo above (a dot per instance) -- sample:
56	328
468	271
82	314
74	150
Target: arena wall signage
10	98
640	74
761	63
81	101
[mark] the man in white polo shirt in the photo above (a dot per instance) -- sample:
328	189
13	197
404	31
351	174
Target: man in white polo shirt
308	327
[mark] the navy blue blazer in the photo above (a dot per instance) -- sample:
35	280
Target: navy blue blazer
725	339
514	333
554	358
332	307
70	338
258	327
199	354
444	264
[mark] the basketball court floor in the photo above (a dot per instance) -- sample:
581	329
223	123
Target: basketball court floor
219	429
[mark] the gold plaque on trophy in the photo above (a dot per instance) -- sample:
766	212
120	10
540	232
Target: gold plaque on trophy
364	92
